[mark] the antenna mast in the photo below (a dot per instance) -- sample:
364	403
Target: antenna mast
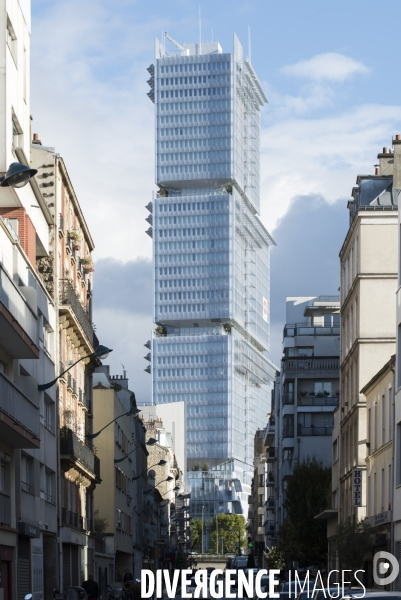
176	44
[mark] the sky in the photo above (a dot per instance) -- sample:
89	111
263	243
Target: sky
327	69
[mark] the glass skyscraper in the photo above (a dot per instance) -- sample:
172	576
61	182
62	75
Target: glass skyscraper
211	260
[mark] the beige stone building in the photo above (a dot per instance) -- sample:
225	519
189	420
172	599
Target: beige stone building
368	285
379	394
122	452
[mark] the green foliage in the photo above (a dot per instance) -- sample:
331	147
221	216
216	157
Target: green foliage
274	558
101	523
195	467
205	467
228	531
302	537
353	541
196	535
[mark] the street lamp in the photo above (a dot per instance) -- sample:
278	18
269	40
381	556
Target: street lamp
17	175
175	489
161	463
133	411
100	352
150	442
168	479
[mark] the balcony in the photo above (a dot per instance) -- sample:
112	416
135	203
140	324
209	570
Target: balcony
19	331
271	455
270	431
288	431
302	329
73	519
19	417
270	503
317	400
288	398
78	455
325	363
287	468
5	510
314	430
270	481
70	304
100	546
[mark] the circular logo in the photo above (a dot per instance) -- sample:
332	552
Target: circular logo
385	568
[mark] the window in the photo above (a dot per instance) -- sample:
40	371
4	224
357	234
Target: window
322	388
48	417
17	133
27	474
261	480
11	40
384	412
305	352
261	500
260	520
47	485
390	414
382	491
374	494
390	489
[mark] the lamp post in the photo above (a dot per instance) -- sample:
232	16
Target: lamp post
150	442
100	352
175	489
168	479
133	411
161	463
202	530
17	175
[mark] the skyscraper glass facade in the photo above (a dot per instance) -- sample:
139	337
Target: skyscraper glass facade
211	258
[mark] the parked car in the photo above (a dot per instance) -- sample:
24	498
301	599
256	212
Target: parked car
264	586
288	591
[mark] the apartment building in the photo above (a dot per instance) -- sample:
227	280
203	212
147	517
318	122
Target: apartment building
396	505
164	483
118	450
379	394
28	341
211	261
306	395
257	501
67	275
369	266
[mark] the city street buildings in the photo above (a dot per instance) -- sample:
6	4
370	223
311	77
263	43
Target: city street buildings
211	264
379	394
306	396
369	267
28	342
117	525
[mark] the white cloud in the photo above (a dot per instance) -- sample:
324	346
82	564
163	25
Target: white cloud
330	66
304	156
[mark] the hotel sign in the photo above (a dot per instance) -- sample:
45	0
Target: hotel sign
357	491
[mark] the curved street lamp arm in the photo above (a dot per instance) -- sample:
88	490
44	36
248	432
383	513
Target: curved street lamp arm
118	460
46	386
92	436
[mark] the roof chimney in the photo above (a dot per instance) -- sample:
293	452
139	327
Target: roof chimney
36	139
386	159
377	170
397	163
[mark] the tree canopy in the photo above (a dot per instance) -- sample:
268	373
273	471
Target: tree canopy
302	537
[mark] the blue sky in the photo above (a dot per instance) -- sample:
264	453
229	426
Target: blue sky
329	70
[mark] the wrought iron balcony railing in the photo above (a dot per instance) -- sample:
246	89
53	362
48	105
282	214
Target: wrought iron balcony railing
68	296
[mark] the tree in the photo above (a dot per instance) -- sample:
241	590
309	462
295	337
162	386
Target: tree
101	523
196	535
228	531
274	558
195	467
352	542
205	467
302	537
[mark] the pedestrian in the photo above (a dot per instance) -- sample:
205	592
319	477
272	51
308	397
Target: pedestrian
91	588
127	576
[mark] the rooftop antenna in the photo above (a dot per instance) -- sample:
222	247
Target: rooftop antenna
249	45
200	30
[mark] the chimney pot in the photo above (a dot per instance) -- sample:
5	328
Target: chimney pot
398	137
384	150
377	170
35	136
